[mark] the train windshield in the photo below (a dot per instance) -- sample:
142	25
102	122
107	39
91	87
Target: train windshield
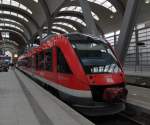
96	56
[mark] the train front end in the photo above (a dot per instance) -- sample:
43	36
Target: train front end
104	75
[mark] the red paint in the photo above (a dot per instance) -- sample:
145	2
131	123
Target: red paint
78	80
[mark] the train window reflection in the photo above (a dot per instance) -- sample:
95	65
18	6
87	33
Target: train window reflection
96	56
62	65
41	61
48	59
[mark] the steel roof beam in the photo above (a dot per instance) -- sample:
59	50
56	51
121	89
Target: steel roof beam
79	15
59	31
127	28
14	29
17	33
22	12
47	13
118	5
18	20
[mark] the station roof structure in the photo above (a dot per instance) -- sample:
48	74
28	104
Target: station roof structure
24	20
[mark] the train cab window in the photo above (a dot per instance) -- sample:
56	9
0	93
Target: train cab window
95	56
62	65
41	61
48	60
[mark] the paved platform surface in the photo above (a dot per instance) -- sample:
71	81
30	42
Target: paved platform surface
22	102
139	97
142	73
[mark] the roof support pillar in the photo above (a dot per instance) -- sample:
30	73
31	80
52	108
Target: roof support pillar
127	27
48	14
137	47
90	23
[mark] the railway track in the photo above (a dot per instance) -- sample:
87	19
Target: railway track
138	81
132	120
118	119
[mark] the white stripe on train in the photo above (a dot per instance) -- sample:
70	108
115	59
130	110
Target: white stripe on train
76	93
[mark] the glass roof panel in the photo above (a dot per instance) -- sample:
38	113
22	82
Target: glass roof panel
7	29
11	25
16	4
76	19
105	4
66	24
14	14
55	32
10	20
5	34
6	12
36	1
59	28
6	2
78	9
23	7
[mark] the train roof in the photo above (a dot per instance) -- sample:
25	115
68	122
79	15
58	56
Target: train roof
69	36
76	36
81	36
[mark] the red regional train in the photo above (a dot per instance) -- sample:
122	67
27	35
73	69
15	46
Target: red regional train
83	70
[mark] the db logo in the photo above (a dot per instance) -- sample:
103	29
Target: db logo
109	80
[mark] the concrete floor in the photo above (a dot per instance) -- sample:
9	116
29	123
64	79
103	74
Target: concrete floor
22	102
139	97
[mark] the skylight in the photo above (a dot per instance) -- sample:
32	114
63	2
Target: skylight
7	29
14	14
55	32
105	4
36	1
78	9
59	28
10	20
5	34
65	24
15	4
73	18
10	25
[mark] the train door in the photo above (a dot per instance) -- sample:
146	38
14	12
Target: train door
49	61
64	73
33	64
40	64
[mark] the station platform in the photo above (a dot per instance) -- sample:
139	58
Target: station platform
138	73
139	98
139	90
23	102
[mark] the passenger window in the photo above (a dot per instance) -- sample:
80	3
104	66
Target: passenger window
41	61
29	62
48	60
36	61
62	65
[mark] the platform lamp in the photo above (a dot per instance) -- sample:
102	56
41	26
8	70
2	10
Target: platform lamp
15	55
15	58
147	1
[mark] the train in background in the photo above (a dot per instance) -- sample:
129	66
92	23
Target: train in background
83	70
4	63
